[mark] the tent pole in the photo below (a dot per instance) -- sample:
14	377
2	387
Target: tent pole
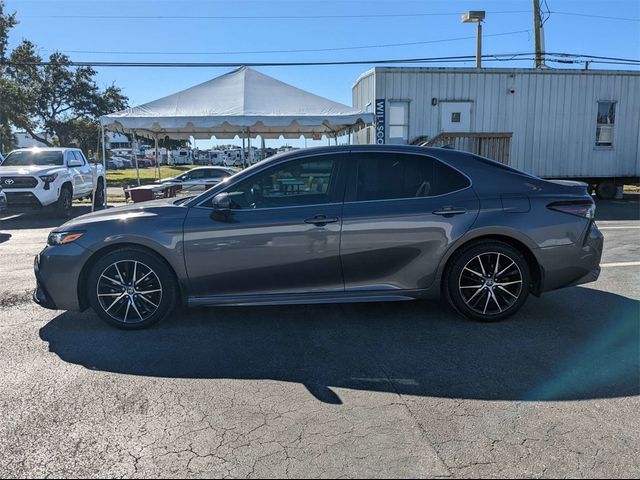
248	147
157	157
135	157
94	184
104	164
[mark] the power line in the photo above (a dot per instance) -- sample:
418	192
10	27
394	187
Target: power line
308	17
574	14
450	59
313	50
257	17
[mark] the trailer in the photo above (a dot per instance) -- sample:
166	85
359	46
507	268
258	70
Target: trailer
568	124
181	156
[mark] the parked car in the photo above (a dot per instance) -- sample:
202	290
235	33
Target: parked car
115	163
112	165
39	177
3	200
148	161
126	163
334	224
201	176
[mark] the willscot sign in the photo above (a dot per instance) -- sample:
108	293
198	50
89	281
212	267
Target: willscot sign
380	120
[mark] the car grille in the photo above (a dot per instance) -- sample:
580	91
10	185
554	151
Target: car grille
15	199
18	182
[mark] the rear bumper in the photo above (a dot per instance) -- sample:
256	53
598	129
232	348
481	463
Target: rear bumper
568	265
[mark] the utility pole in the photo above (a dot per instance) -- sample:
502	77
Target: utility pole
476	16
537	35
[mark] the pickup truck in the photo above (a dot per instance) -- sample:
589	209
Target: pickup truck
43	177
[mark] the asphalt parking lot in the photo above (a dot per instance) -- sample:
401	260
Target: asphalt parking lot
368	390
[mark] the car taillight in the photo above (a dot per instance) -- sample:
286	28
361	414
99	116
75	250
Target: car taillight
581	208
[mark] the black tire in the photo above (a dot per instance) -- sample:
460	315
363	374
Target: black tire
606	190
98	197
480	291
64	203
141	312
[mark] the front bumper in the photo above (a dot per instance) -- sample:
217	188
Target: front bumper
568	265
57	270
32	197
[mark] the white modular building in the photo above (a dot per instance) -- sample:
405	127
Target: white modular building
575	124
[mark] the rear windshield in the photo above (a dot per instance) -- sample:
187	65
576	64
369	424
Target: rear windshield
502	166
21	158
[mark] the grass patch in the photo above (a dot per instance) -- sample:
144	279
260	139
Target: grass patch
123	178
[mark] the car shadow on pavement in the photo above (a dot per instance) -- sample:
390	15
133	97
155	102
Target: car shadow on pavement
576	344
622	210
44	218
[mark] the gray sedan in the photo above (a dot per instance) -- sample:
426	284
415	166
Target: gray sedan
201	176
341	224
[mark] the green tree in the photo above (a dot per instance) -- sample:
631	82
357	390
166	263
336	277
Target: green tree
7	22
54	101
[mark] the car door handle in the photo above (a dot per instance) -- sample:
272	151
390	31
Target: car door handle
450	211
321	220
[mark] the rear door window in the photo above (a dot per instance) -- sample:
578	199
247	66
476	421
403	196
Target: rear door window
386	176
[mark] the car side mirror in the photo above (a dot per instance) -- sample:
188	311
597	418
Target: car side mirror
74	163
222	208
222	201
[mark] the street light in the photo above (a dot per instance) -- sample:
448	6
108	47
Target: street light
476	16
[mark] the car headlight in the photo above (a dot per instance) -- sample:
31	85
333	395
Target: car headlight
49	178
61	238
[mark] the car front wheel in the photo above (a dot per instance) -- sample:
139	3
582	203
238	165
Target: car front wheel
131	289
64	203
488	281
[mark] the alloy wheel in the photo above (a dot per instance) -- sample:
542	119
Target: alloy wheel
490	283
129	291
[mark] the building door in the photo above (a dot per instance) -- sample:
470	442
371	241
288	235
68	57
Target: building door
455	116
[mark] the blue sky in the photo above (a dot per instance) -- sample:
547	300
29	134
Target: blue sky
55	25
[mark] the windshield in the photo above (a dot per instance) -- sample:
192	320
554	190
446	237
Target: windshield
22	158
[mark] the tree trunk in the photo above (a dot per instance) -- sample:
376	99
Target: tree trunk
37	137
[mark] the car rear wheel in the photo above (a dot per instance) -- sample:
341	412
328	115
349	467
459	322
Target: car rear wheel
98	197
488	281
131	289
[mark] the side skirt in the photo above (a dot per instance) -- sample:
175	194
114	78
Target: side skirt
305	298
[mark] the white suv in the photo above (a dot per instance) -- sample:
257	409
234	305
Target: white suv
39	177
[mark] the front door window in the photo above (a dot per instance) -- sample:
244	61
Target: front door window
297	183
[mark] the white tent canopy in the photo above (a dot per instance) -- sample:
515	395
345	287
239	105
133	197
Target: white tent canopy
243	102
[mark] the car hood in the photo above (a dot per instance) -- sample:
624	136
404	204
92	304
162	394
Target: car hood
31	170
125	214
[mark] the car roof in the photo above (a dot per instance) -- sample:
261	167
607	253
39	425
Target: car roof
209	167
47	149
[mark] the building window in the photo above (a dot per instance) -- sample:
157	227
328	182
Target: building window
398	121
605	124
